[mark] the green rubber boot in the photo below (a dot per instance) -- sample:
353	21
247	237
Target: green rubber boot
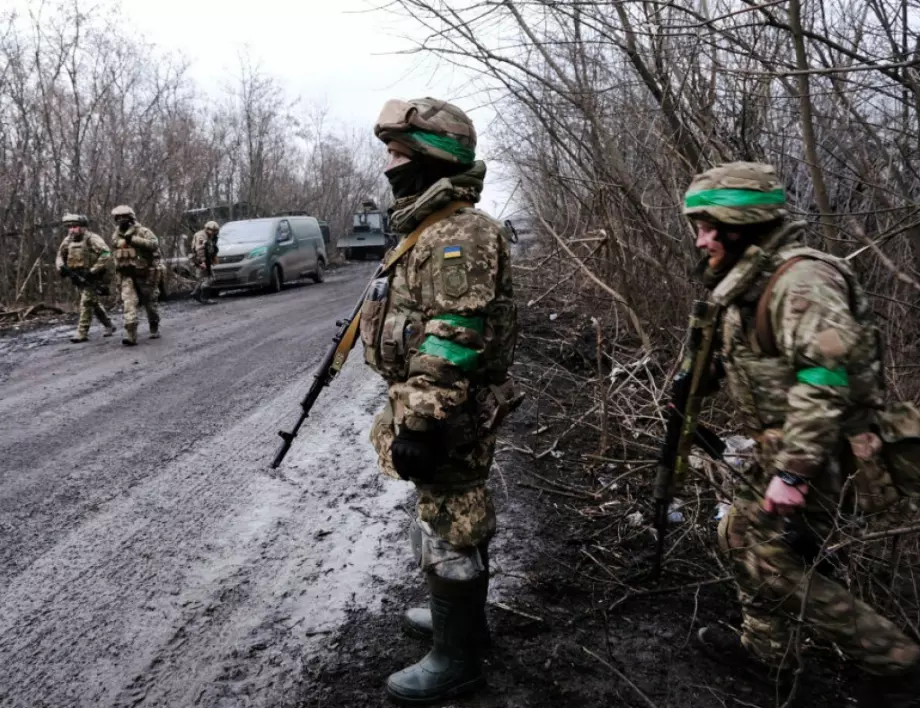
417	620
452	667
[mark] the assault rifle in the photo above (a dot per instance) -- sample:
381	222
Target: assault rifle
332	363
683	428
347	333
210	255
82	279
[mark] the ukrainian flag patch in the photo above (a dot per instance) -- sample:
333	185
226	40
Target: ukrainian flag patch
452	252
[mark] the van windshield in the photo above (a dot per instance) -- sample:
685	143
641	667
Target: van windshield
237	232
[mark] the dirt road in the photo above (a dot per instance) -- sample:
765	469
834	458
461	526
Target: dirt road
147	556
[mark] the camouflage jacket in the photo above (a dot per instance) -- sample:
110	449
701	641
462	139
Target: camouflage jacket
203	253
441	327
822	383
90	253
141	254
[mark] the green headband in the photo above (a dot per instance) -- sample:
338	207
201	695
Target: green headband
734	198
442	142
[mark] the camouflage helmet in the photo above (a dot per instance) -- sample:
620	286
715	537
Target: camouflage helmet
70	219
123	210
736	193
429	127
212	226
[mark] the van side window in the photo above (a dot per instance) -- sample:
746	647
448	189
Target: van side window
284	231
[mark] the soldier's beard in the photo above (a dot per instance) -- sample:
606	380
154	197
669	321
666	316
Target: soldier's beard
124	225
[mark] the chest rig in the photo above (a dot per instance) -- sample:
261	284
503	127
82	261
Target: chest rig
759	376
79	255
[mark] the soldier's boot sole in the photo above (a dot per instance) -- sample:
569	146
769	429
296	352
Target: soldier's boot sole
155	335
78	339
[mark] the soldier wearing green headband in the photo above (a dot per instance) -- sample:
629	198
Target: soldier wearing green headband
440	328
801	357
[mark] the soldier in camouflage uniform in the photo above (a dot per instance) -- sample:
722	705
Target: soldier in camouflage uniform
801	357
203	256
441	330
137	266
85	253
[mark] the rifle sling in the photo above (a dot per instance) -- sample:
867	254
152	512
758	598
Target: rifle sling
392	258
762	325
409	241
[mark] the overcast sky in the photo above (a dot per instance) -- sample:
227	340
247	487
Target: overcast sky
339	53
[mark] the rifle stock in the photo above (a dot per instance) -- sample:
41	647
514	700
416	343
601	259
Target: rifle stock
682	428
332	363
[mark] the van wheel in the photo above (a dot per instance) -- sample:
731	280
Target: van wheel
277	281
319	275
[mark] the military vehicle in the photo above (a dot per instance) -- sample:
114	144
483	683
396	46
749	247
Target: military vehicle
369	236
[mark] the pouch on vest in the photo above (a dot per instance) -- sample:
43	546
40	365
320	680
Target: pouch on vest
76	255
372	312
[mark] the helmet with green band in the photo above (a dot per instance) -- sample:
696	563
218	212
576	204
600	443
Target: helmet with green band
428	126
736	193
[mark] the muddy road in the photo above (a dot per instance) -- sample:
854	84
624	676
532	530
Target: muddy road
148	557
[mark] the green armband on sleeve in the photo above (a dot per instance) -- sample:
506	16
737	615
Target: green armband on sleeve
462	357
476	324
819	376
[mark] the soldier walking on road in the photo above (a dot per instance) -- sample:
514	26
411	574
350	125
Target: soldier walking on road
137	265
441	330
801	357
83	256
203	257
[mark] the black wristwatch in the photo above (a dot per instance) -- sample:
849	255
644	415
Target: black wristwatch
793	480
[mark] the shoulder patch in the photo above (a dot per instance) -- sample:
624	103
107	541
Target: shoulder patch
452	252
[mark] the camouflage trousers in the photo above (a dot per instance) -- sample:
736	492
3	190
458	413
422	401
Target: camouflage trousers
774	581
89	306
457	509
203	282
149	296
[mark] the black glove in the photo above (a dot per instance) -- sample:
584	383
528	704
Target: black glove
416	454
127	238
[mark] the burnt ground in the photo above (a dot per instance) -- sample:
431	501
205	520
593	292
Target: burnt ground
149	558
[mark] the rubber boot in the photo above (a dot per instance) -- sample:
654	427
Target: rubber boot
894	691
417	620
726	648
129	339
452	667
